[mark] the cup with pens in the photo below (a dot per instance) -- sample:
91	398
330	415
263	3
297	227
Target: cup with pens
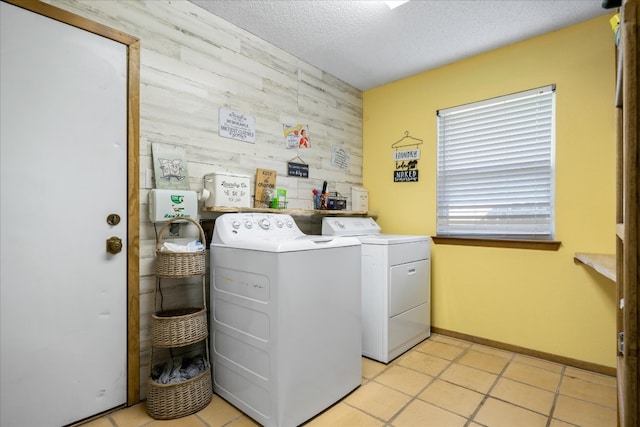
320	198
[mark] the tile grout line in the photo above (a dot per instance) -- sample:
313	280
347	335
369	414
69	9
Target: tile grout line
111	420
435	377
487	394
556	395
197	414
454	360
370	380
581	399
466	349
387	366
395	362
239	417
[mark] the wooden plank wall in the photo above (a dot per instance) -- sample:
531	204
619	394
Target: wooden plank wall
191	64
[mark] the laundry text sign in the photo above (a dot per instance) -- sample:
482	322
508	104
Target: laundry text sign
406	165
405	176
399	156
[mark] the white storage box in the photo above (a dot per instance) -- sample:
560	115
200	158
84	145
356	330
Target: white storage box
227	189
166	205
359	199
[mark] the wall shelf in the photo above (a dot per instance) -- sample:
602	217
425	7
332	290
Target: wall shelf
604	264
321	212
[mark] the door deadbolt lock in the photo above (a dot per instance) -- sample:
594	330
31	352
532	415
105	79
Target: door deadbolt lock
113	219
114	245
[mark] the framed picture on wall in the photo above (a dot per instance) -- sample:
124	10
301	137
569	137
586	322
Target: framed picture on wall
296	136
170	166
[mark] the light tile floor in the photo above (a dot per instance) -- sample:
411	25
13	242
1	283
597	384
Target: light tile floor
441	382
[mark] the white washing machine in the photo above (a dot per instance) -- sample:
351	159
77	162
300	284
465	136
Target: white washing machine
285	317
396	286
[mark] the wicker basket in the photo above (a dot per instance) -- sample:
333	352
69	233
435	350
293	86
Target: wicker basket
180	264
169	401
179	327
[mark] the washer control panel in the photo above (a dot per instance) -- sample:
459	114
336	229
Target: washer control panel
248	226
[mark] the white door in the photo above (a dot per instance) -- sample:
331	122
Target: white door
63	135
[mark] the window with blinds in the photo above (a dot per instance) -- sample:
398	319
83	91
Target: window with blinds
496	161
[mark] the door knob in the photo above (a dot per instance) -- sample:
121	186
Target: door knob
114	245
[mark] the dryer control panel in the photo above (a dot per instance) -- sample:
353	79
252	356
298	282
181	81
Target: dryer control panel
349	226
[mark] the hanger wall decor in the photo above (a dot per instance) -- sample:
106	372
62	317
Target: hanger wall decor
298	168
406	159
406	141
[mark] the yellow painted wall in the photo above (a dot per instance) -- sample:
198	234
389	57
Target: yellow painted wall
535	299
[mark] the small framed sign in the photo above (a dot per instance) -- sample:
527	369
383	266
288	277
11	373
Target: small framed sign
300	170
170	166
265	181
340	158
236	125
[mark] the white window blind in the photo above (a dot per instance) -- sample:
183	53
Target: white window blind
495	176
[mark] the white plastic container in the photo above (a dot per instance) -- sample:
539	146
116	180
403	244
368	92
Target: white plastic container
227	190
165	205
359	199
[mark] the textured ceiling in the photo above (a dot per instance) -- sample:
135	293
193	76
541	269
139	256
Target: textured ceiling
366	45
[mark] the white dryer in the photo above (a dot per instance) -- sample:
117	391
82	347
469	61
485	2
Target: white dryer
285	317
396	286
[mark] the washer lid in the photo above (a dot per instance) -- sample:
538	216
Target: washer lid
391	239
302	243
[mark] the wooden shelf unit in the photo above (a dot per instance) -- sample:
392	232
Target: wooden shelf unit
627	214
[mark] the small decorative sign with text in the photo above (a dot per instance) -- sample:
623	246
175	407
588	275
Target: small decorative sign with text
406	164
340	158
300	170
406	156
265	183
405	176
235	125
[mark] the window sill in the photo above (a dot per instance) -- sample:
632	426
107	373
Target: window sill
543	245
